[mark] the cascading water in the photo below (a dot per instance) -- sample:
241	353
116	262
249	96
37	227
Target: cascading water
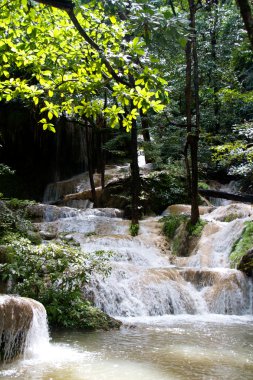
144	283
145	280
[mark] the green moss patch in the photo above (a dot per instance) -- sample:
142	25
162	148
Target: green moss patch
244	244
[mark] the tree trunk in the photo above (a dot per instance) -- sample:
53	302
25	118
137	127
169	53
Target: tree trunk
192	131
246	13
145	133
188	101
90	165
248	198
195	136
135	175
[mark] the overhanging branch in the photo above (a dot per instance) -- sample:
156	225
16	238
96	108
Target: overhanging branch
68	6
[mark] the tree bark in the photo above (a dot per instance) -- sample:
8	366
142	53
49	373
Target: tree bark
195	135
135	175
192	131
248	198
90	165
188	102
246	13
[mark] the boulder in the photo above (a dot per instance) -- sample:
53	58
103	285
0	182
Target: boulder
16	315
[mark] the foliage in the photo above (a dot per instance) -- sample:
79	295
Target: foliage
165	188
54	274
134	229
244	243
171	224
47	63
196	229
13	218
237	156
203	185
5	169
15	204
119	144
180	231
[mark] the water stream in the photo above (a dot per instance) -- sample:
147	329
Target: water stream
183	318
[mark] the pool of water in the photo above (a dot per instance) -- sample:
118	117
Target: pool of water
159	348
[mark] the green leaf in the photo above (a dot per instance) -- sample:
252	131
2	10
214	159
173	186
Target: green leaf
113	19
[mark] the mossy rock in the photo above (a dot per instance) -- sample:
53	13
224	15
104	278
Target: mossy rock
246	263
96	319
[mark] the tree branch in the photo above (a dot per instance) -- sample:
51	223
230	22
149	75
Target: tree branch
64	4
68	6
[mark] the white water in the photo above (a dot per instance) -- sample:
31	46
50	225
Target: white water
184	318
146	280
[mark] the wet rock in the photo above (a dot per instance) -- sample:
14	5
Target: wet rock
16	315
246	263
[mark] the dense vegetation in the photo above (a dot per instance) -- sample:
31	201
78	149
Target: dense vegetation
54	273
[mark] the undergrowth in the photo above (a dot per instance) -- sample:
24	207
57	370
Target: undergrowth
242	245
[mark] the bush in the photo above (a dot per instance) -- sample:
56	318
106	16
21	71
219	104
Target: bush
196	229
53	274
171	224
134	229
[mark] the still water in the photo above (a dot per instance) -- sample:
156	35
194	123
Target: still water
156	348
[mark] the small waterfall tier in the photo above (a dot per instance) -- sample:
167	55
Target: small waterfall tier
23	327
146	279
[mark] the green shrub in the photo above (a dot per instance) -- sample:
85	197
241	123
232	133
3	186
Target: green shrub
243	244
203	185
54	274
15	203
196	229
171	224
134	229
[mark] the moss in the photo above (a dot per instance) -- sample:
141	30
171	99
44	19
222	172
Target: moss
230	217
243	244
171	224
181	232
196	229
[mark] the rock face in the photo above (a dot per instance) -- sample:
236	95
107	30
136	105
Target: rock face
16	315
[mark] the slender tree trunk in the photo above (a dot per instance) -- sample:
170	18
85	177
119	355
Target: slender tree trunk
188	102
192	131
90	165
135	175
246	13
195	136
213	80
145	133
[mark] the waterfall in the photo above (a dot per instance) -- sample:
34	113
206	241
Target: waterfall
143	282
56	190
146	279
38	335
23	327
